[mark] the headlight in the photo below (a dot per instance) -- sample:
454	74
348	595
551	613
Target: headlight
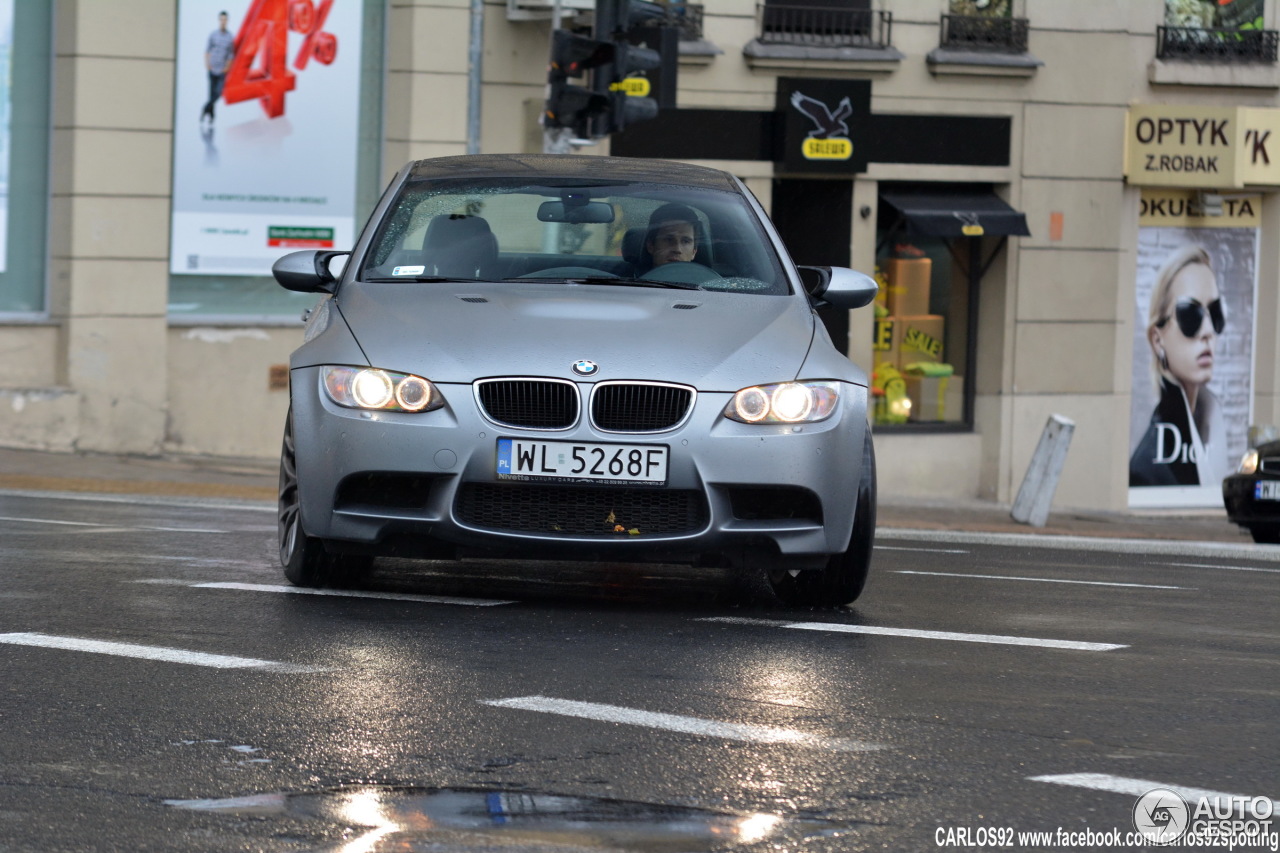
1249	463
784	403
369	388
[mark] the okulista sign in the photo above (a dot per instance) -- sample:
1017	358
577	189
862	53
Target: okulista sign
1195	146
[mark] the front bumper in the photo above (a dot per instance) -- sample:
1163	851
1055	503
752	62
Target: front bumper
1242	507
383	482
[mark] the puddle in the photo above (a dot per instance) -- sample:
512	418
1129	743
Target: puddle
427	819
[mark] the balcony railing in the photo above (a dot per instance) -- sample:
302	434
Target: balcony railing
996	35
687	17
817	26
1202	45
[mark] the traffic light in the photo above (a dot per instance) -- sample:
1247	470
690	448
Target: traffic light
618	21
617	57
569	105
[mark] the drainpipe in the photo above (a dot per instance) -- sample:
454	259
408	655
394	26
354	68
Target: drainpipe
474	55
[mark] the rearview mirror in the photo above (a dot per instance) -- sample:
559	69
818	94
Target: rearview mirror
593	212
308	271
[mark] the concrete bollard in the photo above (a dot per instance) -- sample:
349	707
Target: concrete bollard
1041	480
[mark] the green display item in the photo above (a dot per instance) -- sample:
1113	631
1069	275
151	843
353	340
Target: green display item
928	368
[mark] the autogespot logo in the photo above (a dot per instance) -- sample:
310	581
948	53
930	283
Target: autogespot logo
1161	816
586	368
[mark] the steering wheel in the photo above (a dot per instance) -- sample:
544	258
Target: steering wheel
681	272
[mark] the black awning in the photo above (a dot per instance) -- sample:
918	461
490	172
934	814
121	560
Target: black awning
968	214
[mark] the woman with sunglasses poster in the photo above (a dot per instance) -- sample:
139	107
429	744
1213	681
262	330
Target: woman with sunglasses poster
1185	443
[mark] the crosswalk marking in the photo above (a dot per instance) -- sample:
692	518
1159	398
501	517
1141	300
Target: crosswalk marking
676	723
837	628
156	653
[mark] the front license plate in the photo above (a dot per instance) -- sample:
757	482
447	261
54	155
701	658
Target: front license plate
1266	490
570	462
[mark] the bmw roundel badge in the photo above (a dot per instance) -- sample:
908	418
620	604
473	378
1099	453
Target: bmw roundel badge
586	368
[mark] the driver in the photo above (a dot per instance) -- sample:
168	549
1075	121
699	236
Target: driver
672	236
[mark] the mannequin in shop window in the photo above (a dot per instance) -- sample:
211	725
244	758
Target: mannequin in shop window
1185	442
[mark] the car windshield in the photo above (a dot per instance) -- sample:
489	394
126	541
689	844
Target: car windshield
577	231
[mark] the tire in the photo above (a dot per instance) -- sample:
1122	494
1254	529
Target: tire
845	575
1267	534
305	560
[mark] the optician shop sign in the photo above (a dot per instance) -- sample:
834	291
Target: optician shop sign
1198	146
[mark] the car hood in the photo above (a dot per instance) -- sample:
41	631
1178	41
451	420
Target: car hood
460	332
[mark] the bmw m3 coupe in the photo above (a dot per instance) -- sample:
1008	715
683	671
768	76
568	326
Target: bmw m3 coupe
571	357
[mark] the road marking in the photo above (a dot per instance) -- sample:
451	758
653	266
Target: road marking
834	628
676	723
924	550
1146	548
1138	787
108	528
158	653
348	593
1228	568
168	501
1037	580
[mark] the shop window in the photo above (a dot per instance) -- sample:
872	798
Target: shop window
1216	31
933	248
211	280
25	73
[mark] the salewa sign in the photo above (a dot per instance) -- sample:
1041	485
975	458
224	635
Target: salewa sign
1212	147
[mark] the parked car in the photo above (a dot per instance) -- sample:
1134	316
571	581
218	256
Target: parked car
576	357
1252	494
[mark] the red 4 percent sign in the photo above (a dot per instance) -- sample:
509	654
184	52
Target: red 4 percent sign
260	67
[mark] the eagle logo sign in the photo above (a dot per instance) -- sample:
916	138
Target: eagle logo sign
829	140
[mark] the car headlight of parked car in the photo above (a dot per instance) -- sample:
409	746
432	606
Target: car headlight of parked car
380	390
784	403
1249	463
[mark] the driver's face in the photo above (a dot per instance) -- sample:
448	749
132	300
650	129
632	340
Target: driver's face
671	242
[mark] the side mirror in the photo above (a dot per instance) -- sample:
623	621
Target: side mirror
307	271
838	286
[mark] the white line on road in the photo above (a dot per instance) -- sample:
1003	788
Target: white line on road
346	593
1138	787
1228	568
924	635
1037	580
676	723
924	550
159	653
168	501
107	528
1143	547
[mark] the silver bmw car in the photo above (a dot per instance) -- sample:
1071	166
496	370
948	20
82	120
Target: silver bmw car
571	357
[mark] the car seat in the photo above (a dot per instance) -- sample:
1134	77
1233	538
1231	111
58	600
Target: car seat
459	246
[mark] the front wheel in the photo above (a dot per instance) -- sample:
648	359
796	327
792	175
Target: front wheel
845	575
305	560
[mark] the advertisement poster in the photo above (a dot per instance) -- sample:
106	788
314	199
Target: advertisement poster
1192	346
6	116
264	153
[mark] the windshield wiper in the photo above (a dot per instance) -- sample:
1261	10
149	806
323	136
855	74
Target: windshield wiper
422	278
637	282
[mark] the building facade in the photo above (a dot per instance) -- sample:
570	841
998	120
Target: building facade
1016	171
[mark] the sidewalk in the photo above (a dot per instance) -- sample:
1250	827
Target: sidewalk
256	479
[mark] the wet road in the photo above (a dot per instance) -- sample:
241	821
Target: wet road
163	690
